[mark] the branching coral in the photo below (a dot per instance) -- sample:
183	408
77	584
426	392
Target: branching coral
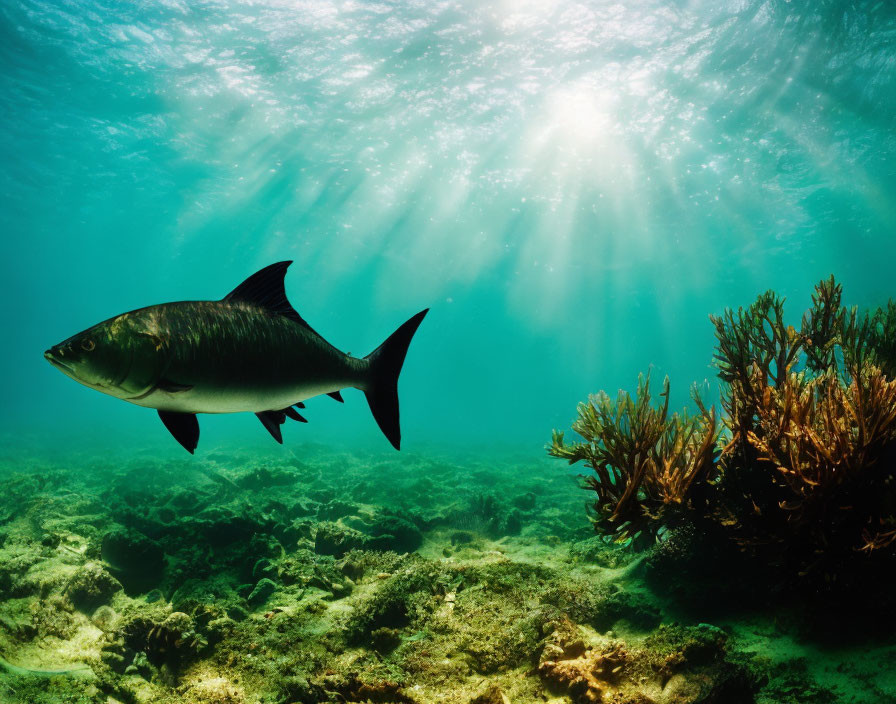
813	423
646	463
828	441
805	480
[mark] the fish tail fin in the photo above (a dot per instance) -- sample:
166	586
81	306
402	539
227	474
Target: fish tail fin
382	385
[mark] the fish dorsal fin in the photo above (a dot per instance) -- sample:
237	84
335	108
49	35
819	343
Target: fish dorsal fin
265	289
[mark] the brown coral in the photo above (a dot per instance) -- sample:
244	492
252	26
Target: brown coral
805	480
587	677
813	429
646	463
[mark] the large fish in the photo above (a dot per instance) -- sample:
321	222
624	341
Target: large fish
249	351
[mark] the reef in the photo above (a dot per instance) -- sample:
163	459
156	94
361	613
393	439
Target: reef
316	576
793	491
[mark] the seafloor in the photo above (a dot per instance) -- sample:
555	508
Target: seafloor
319	575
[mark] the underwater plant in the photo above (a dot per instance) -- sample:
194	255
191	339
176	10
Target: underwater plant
804	480
812	418
647	464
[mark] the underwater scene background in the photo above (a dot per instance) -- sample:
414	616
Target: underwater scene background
572	188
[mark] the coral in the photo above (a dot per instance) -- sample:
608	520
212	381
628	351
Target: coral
804	483
648	467
683	665
586	677
807	476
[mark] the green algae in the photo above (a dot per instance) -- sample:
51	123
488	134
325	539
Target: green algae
256	600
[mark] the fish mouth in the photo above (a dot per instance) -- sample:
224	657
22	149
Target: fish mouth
56	362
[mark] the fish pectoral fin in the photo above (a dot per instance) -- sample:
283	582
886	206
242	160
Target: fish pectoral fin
172	387
336	395
184	427
272	420
290	413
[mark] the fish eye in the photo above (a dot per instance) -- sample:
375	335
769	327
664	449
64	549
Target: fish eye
87	345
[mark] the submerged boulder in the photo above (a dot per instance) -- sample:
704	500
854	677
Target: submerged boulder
91	586
333	539
135	560
394	533
262	592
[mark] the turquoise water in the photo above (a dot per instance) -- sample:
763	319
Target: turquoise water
571	187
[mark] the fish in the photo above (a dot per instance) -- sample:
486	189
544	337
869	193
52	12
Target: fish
248	352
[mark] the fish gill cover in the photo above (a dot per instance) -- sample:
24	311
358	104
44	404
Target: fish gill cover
571	187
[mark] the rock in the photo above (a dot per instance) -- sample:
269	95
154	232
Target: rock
215	690
351	568
91	586
491	695
219	628
237	613
104	618
135	560
332	539
462	537
264	477
262	591
264	568
154	596
394	533
336	509
514	523
50	540
295	688
525	502
385	639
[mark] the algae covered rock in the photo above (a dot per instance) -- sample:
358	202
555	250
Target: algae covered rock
136	561
391	532
597	550
491	695
167	639
675	666
91	586
261	592
333	539
398	601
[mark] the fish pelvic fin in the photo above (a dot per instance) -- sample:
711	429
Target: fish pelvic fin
385	364
184	427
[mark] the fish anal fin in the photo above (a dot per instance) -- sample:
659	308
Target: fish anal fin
336	395
265	288
272	420
291	413
184	427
